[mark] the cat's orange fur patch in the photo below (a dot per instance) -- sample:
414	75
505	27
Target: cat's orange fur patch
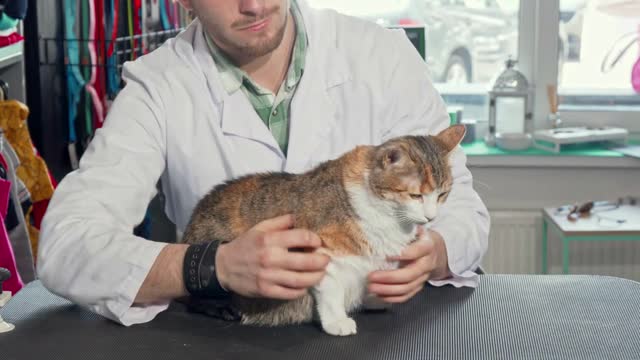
344	239
429	183
355	165
237	224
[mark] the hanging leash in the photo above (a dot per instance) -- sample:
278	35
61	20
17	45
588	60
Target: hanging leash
143	27
112	18
101	48
112	23
130	23
164	18
137	27
75	81
176	16
86	71
93	66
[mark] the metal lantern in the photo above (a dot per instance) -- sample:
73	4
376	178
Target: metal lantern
510	115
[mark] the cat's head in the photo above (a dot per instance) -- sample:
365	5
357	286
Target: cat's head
412	174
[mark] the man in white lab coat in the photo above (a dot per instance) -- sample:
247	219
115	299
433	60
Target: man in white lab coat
253	85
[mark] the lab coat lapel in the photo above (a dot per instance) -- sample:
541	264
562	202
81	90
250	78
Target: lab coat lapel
240	119
237	116
312	117
313	113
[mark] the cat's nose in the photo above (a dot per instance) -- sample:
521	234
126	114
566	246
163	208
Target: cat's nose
429	211
430	214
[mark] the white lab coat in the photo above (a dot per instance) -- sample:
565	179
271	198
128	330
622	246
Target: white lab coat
173	120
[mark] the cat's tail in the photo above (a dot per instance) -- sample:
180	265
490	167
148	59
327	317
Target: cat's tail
265	312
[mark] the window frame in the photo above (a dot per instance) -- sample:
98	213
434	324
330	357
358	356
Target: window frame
538	53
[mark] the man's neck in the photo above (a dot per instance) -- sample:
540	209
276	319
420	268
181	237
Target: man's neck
269	71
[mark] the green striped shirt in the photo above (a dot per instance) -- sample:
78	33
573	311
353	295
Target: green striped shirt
273	109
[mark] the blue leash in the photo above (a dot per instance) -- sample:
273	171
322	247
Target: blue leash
75	81
113	80
164	17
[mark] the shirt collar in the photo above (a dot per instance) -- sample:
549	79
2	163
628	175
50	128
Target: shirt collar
233	77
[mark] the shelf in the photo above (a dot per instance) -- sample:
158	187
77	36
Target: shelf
579	156
479	148
11	54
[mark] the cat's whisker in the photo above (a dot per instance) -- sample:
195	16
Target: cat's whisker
405	220
401	215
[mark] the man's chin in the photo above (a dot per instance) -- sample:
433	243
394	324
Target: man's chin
261	48
265	44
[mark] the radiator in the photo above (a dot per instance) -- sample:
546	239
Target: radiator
514	243
515	247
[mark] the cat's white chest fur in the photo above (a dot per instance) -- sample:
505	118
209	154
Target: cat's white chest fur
386	234
344	287
352	273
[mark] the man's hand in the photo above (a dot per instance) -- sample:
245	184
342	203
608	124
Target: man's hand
424	259
260	263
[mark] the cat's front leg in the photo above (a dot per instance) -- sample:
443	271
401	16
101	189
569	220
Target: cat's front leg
330	299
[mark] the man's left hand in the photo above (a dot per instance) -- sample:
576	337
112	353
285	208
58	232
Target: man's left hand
422	260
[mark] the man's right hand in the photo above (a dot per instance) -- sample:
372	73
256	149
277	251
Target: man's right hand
260	264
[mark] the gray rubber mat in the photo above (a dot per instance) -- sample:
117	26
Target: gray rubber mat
507	317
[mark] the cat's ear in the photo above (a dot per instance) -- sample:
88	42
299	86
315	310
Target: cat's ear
451	136
391	156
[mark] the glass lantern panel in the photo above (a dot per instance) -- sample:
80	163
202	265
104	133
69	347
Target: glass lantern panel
510	114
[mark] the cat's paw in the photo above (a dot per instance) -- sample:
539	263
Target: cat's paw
342	327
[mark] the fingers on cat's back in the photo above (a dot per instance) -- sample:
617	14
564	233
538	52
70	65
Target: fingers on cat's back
305	261
283	222
295	279
294	239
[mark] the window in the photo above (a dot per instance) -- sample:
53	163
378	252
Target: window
467	41
600	43
597	43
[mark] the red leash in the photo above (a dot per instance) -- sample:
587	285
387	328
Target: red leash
137	25
100	85
114	31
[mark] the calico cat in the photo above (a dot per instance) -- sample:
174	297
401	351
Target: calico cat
365	205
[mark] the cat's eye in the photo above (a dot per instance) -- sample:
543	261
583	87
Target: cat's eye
443	196
416	196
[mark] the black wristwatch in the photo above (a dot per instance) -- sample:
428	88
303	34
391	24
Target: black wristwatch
199	271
